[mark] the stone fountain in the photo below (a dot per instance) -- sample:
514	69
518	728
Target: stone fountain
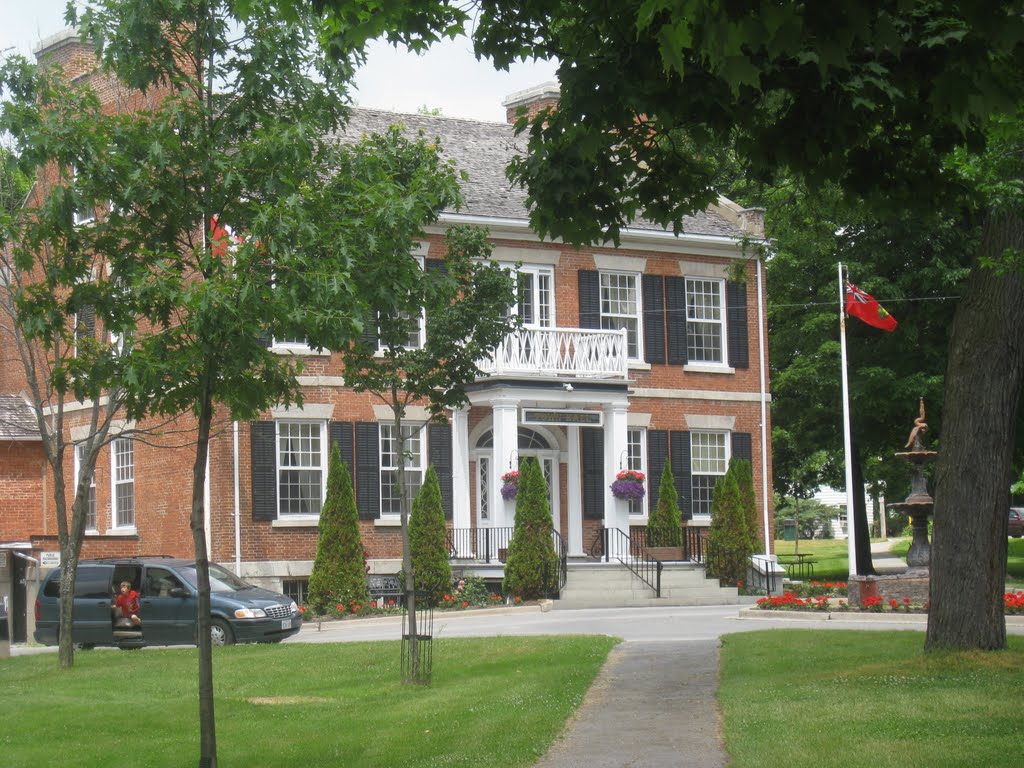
913	583
919	503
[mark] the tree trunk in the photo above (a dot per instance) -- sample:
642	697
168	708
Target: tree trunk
973	473
862	539
207	723
413	672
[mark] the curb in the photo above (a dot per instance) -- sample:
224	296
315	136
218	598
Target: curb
883	618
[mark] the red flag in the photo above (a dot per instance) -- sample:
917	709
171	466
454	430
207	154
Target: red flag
862	306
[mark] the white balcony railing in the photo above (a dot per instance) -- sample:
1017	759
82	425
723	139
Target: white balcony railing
561	352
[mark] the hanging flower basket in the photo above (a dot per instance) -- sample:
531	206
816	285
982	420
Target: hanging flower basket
510	485
629	484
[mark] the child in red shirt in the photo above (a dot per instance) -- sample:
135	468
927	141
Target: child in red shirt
127	603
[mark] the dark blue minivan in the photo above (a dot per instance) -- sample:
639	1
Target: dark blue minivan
239	611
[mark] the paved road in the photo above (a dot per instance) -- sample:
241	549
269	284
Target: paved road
631	624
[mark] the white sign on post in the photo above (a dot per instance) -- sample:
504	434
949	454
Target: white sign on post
49	559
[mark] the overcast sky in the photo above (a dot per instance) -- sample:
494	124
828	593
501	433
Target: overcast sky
448	77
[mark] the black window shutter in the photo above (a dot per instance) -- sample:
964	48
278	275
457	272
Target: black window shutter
675	319
85	326
592	445
439	440
742	446
654	318
657	455
590	299
680	444
264	470
368	470
341	436
434	265
736	318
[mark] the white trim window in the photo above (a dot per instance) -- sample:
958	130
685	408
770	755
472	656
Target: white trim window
90	508
636	459
418	335
301	467
709	459
78	218
536	296
705	320
122	470
415	465
620	308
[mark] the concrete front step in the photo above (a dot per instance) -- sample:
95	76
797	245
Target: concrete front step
613	585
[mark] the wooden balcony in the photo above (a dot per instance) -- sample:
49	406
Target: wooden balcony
561	352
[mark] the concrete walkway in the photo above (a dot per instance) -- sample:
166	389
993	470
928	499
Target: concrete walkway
652	706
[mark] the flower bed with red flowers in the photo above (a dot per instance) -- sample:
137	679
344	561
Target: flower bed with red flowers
1013	603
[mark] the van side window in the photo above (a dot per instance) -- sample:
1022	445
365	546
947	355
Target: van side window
160	582
127	572
92	581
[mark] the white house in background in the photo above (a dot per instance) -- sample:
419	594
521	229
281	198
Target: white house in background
833	498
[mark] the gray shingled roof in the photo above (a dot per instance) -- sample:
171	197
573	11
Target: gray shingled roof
483	151
17	422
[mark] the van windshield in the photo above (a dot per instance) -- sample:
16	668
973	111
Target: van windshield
221	579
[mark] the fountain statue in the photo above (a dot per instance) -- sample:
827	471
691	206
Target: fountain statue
918	505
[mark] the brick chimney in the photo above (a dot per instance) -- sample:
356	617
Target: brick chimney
533	99
67	51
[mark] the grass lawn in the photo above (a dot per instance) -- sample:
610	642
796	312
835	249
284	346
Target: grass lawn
494	701
826	699
831	556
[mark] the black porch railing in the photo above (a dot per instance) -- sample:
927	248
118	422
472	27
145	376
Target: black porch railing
611	542
490	545
693	540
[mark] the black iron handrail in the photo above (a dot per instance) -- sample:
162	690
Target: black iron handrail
694	541
633	555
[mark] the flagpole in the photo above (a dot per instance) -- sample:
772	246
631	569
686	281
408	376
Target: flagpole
847	451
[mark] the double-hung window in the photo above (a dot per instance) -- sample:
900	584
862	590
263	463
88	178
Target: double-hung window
415	465
90	502
122	468
301	473
636	459
705	320
620	307
709	459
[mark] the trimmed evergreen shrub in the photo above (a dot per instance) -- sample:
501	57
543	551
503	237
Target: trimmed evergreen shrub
339	571
428	541
531	552
664	526
748	501
729	540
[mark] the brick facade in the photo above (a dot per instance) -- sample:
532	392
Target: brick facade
665	397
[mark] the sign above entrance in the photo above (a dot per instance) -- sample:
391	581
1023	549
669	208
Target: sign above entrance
563	417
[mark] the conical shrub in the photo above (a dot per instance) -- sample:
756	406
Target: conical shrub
531	553
339	570
428	541
664	526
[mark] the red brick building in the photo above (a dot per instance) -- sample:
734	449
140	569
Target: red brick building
647	354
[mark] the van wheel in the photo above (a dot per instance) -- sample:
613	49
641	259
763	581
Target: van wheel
220	632
84	646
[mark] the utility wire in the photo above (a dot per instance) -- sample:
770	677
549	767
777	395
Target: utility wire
883	302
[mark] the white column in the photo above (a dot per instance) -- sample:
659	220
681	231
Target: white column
574	492
460	471
506	448
616	511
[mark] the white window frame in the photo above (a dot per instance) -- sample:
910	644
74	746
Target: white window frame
77	218
698	315
90	510
315	430
419	253
415	465
122	475
613	320
704	465
543	298
636	459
